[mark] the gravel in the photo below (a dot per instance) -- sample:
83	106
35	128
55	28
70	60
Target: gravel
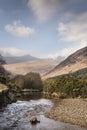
72	111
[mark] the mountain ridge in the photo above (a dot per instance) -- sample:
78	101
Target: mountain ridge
73	57
74	62
19	59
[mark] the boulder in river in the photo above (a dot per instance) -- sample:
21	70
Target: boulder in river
34	120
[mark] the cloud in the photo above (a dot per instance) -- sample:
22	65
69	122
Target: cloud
12	51
45	9
65	52
75	30
19	30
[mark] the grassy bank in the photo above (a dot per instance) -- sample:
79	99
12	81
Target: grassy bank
71	111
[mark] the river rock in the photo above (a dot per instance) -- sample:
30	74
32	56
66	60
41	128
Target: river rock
31	109
34	120
54	94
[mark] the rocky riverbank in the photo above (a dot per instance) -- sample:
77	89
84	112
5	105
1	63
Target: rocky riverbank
7	95
72	111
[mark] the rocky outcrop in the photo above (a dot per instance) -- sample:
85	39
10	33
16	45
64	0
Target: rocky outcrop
58	95
6	95
3	95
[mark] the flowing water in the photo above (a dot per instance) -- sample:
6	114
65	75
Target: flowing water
16	116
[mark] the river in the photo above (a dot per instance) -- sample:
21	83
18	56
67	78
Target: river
16	116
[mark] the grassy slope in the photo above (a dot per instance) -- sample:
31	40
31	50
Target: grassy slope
41	67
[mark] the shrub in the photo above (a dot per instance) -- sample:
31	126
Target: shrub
70	85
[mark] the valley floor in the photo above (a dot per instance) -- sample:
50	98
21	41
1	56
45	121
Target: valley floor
71	111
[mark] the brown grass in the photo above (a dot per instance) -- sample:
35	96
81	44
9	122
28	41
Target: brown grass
41	67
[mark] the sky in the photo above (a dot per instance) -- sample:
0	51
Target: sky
42	28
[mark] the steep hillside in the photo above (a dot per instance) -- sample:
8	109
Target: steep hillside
39	66
74	62
74	58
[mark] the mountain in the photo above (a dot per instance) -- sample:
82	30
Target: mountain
26	58
19	59
39	66
60	58
74	62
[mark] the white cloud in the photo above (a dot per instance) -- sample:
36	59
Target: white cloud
68	51
19	30
12	51
74	31
44	9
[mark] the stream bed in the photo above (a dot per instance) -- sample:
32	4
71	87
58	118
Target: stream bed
16	116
